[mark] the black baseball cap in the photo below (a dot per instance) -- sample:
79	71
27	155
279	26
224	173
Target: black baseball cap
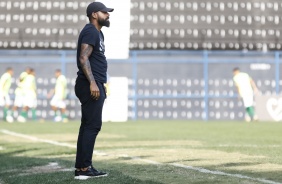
97	6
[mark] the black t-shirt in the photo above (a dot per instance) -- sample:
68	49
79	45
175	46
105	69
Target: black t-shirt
90	35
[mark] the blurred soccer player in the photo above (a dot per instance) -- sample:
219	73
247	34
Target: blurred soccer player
29	100
89	87
246	88
59	97
19	95
5	84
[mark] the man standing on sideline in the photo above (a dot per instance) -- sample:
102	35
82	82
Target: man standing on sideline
5	84
58	102
246	88
89	87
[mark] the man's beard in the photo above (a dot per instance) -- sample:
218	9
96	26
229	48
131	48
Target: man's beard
104	22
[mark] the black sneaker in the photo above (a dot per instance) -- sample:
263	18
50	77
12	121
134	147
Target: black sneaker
91	172
76	173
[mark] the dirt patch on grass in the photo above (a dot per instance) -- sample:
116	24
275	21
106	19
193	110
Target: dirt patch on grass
58	156
49	168
265	167
149	143
201	158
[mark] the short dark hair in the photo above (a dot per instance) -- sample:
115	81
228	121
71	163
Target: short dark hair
58	70
9	69
31	70
236	69
28	69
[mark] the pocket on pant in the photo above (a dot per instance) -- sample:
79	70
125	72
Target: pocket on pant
102	90
82	91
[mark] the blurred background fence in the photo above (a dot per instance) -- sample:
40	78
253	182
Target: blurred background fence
178	56
193	85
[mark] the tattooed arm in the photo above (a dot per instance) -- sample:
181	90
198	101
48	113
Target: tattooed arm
85	52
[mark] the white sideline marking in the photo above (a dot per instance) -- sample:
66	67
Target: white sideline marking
201	170
37	139
45	141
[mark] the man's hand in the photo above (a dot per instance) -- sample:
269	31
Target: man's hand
51	93
94	90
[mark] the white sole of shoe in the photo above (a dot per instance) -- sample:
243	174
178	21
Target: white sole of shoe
81	177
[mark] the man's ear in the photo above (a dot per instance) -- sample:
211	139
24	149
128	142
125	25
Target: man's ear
94	15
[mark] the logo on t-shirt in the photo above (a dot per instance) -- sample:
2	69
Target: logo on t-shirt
102	45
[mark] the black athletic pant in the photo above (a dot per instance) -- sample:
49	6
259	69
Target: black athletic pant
91	121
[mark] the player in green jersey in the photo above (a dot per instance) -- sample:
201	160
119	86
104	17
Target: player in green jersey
59	93
5	84
29	96
19	95
246	88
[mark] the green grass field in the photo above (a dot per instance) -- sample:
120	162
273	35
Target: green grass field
146	152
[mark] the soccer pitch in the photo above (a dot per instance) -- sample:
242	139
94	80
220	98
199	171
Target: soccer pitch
146	152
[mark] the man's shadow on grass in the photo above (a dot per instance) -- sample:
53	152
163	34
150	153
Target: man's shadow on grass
15	168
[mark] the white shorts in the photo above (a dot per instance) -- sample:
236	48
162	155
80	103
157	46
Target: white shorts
57	102
5	100
248	100
19	100
30	101
25	101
